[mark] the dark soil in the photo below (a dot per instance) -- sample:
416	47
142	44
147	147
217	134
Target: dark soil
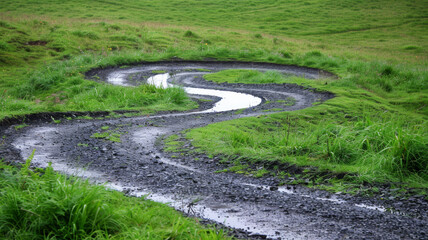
258	207
37	43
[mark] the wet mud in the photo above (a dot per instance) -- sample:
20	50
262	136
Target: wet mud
258	207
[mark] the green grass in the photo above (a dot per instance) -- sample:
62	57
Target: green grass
367	29
172	145
158	71
41	204
245	76
62	87
203	70
20	126
108	135
365	133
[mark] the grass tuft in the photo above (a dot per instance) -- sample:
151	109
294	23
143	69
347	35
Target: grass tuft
190	34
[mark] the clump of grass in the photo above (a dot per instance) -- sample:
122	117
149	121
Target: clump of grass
258	36
36	205
4	46
403	147
172	144
86	34
411	47
289	101
387	71
176	95
388	146
111	135
158	71
190	34
246	76
113	26
20	126
286	54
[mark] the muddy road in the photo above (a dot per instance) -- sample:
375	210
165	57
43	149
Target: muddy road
138	165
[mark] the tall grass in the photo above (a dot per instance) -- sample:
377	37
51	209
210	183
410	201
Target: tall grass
378	150
43	204
51	205
390	146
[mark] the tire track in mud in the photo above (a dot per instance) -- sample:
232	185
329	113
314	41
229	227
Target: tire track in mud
139	167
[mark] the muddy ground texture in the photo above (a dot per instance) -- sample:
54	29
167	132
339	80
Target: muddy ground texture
255	208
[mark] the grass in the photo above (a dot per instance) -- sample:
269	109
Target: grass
171	144
364	29
20	126
108	135
245	76
360	132
42	204
62	87
158	71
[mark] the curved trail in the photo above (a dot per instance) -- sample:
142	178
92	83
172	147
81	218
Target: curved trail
138	165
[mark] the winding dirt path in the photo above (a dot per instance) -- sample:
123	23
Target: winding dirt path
138	165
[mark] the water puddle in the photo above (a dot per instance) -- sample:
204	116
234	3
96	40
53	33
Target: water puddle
118	78
160	80
245	217
333	198
229	100
377	208
175	164
40	140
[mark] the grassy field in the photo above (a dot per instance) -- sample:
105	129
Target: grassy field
365	29
375	129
